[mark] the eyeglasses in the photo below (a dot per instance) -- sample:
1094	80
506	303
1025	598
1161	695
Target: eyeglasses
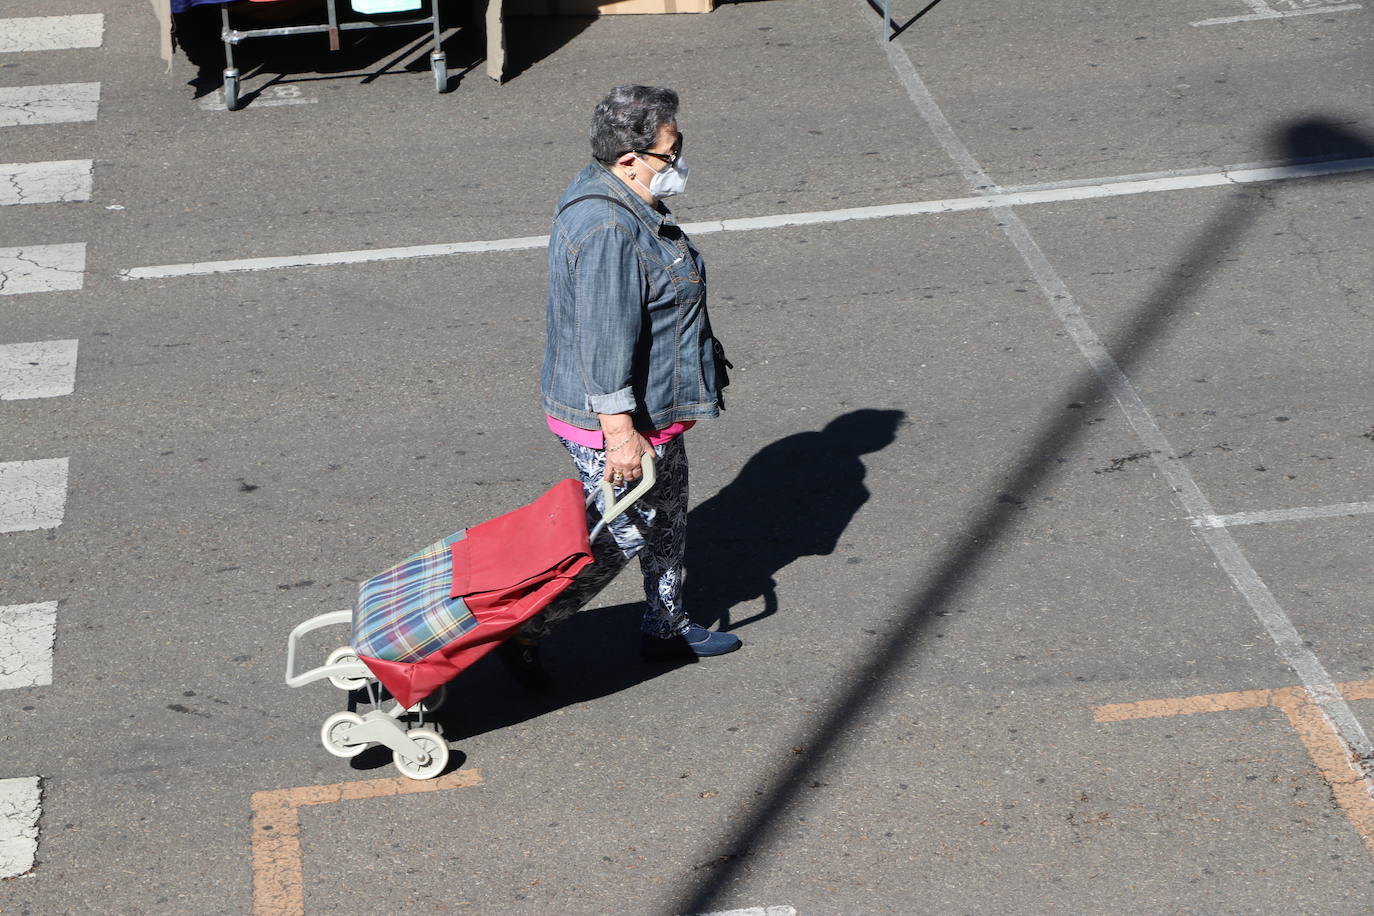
670	158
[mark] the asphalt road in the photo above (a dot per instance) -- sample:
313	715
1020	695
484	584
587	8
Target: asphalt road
990	471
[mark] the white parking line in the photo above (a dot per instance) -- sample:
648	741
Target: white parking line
1338	716
45	182
757	911
1263	10
42	268
1336	510
33	494
21	802
52	33
27	632
1089	189
268	97
330	258
58	103
1239	172
42	369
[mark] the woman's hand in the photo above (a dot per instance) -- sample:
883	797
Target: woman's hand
625	449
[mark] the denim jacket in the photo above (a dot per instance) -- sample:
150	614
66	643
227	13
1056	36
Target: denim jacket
628	330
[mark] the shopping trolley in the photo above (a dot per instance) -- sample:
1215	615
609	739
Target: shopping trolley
332	26
422	622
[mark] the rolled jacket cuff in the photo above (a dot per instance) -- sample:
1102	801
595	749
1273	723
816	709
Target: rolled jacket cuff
622	401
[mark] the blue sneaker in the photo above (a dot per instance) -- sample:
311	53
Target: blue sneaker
695	642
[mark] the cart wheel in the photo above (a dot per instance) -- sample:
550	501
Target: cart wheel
433	702
231	88
438	62
434	761
334	735
345	654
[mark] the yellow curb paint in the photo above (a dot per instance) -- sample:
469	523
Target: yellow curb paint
278	886
1345	776
1357	690
1183	706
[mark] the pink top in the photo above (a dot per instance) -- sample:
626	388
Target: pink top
592	438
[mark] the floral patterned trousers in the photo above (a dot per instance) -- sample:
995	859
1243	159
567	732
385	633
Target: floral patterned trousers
654	529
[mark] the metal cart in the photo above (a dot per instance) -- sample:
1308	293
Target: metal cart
333	26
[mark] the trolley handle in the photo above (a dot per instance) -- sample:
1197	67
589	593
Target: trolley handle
615	507
294	679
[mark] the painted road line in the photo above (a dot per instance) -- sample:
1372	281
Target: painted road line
332	258
266	97
56	104
1336	510
1343	772
1244	169
278	885
42	268
52	33
1263	11
45	182
211	103
757	911
1341	721
999	198
33	494
21	802
27	633
43	369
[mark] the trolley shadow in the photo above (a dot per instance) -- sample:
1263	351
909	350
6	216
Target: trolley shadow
967	550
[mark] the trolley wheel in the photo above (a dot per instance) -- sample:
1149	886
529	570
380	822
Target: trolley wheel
438	62
434	761
344	654
433	702
231	88
334	734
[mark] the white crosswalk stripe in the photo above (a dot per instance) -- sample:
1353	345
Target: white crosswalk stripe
42	268
20	805
58	103
27	632
33	494
45	182
42	369
52	33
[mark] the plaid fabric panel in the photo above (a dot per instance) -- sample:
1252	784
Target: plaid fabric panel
405	613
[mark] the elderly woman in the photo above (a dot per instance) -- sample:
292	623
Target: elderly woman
630	365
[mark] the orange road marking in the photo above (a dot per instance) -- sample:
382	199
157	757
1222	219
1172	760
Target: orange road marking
1183	706
1345	775
278	888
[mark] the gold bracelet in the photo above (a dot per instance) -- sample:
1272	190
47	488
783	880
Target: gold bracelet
625	442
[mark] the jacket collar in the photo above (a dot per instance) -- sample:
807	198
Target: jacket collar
652	216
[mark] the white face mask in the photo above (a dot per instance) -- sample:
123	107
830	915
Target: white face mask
672	180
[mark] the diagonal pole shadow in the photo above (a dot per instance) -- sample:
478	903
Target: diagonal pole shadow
974	546
893	30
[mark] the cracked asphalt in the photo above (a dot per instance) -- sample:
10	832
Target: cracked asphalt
953	554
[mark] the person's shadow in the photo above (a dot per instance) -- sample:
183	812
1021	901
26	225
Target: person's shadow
792	499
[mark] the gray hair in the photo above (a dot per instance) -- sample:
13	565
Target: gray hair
628	118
